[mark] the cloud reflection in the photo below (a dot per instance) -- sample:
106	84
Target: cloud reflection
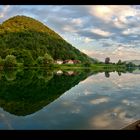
100	100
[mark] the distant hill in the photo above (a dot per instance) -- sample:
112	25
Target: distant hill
136	62
27	39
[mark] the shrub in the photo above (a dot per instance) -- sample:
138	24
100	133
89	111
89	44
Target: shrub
10	61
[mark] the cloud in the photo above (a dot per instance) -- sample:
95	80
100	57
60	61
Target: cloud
101	32
107	13
4	11
77	21
130	31
68	28
87	40
102	12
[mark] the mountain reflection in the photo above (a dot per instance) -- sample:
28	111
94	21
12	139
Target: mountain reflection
24	92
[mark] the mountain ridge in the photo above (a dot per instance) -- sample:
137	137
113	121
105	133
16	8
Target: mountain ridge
136	62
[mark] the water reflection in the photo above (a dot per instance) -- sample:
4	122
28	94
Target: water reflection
107	74
24	92
69	99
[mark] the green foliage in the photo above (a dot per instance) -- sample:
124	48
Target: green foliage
1	61
47	59
87	64
40	60
10	61
130	64
119	62
27	39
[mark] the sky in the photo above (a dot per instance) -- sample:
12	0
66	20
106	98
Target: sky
100	31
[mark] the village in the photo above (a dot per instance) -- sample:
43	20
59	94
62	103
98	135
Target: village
59	61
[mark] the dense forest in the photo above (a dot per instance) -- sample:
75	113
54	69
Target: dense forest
29	41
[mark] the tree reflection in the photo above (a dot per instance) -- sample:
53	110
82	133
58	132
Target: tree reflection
107	75
26	91
119	73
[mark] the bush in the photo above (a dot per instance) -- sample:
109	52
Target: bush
1	61
40	60
48	59
10	61
87	64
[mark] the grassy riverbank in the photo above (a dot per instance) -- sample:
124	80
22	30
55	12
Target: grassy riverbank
93	67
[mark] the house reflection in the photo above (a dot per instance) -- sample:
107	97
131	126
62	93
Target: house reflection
70	73
59	72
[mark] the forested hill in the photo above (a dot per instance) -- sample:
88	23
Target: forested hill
28	39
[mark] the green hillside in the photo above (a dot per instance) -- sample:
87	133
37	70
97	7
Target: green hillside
27	39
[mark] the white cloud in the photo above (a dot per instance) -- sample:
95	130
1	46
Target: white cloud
68	28
101	32
4	11
130	31
113	13
102	12
76	21
107	12
118	23
87	40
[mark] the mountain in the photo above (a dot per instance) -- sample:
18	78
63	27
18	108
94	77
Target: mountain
136	62
27	39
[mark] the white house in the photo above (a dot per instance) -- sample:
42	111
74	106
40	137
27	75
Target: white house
68	62
59	61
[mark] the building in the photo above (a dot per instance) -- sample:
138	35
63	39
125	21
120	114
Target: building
76	61
59	61
68	62
71	61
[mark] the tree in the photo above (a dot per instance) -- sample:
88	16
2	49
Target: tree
130	64
48	59
87	64
1	61
119	62
27	58
10	61
107	59
40	60
124	63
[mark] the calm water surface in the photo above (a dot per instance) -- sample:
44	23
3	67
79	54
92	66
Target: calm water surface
42	99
